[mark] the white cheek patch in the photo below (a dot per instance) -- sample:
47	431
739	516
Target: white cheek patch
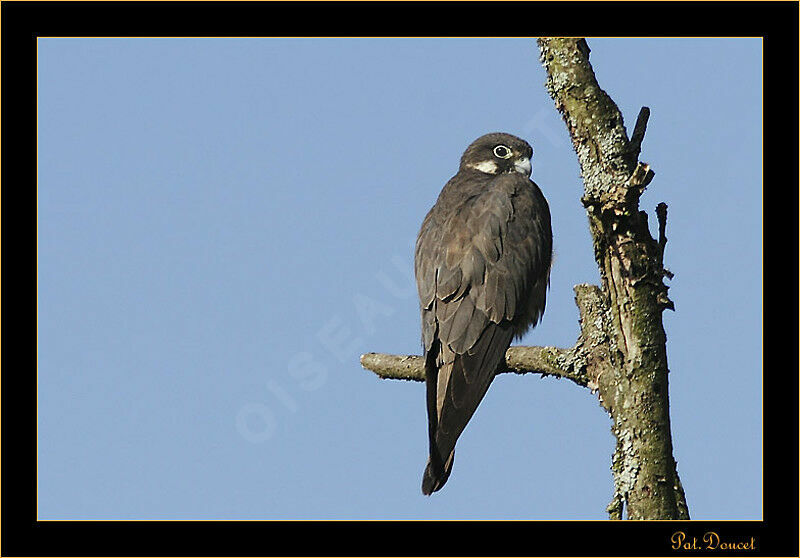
489	167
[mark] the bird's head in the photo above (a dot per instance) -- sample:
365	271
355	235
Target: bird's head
498	153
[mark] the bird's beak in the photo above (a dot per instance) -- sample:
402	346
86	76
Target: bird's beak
523	165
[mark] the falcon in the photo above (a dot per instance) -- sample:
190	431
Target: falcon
482	265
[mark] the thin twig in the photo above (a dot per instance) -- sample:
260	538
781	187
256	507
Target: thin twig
661	214
635	144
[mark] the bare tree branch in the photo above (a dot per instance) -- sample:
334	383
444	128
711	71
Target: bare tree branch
638	132
547	361
630	263
581	363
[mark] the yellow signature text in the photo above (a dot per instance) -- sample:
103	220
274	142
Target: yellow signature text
709	541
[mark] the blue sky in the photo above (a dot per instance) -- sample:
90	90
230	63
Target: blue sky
225	225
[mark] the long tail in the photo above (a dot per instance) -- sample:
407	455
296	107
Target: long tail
437	469
464	380
436	474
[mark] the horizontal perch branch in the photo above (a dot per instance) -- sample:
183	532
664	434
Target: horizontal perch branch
547	361
583	363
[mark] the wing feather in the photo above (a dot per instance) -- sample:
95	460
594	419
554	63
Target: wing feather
482	261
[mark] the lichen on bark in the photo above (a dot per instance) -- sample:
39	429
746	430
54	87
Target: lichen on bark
631	268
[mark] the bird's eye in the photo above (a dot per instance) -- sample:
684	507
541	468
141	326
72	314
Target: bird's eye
502	151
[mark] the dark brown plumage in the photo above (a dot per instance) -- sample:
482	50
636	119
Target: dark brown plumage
482	263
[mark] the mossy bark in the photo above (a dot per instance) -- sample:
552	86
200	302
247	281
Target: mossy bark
634	386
